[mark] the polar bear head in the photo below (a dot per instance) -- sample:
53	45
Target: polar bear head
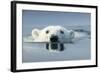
53	34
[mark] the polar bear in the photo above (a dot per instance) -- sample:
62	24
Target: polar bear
53	34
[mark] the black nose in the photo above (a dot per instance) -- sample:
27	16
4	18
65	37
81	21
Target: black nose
54	38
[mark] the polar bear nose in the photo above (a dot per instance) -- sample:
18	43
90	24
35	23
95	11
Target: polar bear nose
54	38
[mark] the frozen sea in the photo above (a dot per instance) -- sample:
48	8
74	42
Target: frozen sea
80	49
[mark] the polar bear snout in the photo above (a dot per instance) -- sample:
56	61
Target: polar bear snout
54	38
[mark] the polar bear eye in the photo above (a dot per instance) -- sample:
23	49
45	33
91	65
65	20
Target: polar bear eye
47	31
62	32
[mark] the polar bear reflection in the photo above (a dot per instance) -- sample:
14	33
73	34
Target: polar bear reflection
54	36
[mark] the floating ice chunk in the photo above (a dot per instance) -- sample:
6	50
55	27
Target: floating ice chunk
28	39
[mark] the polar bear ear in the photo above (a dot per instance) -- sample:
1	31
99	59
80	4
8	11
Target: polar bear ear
35	33
72	34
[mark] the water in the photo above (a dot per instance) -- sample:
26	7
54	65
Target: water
36	52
